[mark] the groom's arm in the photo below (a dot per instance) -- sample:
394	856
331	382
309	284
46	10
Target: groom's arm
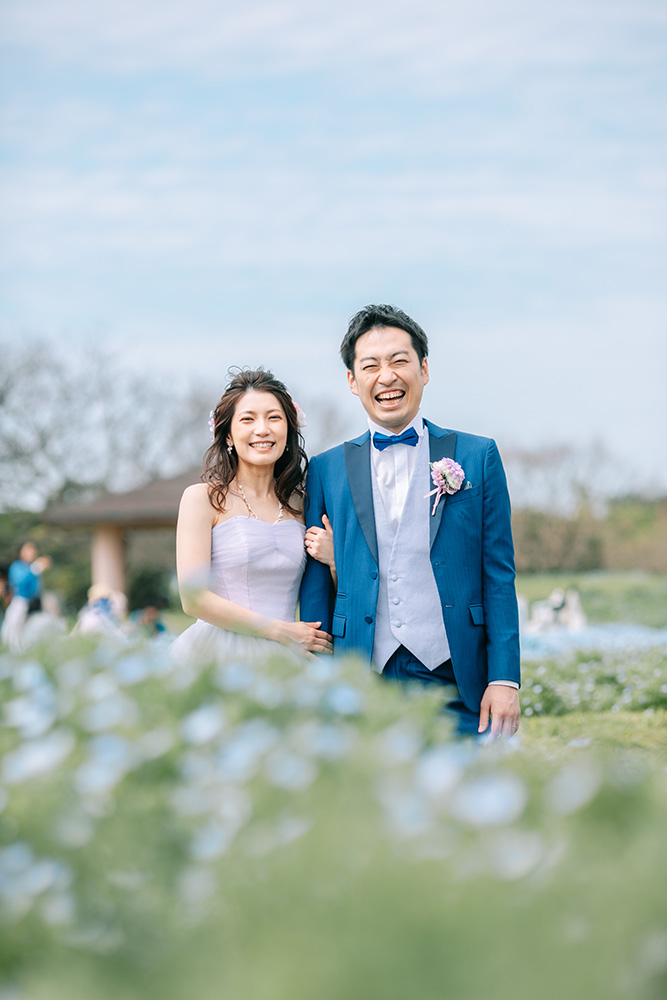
317	596
501	615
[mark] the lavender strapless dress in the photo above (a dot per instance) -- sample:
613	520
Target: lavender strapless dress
254	564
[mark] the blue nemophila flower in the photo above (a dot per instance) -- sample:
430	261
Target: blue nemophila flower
37	758
240	756
343	699
204	724
574	786
288	770
490	800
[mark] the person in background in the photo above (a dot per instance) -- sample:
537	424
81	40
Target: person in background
104	614
147	622
25	583
4	589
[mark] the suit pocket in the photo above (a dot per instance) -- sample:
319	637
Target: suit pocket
477	613
467	493
338	623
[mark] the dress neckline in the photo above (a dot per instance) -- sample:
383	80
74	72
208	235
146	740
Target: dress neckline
269	524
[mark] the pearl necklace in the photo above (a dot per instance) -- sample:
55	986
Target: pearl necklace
245	500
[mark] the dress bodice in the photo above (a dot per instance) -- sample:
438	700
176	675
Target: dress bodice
258	565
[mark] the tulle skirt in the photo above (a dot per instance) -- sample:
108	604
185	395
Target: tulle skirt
202	644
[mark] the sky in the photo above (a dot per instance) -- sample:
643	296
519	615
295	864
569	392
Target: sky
225	182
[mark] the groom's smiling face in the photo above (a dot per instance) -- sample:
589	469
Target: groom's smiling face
388	376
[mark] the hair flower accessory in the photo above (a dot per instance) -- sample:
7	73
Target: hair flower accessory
211	425
300	415
448	477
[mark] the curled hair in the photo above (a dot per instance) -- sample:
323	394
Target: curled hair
371	317
220	466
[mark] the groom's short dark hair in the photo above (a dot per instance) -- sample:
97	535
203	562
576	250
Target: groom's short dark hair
371	317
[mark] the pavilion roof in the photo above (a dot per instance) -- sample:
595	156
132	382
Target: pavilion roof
154	505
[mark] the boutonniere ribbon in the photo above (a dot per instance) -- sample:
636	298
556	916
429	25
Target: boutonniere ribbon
448	477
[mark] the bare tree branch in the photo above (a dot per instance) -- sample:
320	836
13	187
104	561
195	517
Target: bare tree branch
72	426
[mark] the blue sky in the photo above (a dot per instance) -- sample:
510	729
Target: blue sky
212	183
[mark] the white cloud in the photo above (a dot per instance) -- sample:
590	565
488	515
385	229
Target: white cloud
192	179
425	39
254	217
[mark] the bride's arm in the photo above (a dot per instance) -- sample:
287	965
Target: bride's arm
193	563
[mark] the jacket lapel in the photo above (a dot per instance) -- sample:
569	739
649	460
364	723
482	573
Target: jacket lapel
442	444
358	470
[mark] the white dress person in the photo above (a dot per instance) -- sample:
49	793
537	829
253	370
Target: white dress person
240	551
259	566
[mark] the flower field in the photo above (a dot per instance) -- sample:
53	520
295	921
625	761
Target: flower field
294	832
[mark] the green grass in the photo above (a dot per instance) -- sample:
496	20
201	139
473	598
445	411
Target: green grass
642	733
632	597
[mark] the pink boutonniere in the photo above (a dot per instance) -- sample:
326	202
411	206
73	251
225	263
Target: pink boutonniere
448	477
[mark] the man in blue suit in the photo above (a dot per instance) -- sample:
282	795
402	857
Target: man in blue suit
420	585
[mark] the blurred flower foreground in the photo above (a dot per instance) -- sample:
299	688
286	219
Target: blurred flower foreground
278	831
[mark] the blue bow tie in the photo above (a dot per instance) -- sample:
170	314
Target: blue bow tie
382	441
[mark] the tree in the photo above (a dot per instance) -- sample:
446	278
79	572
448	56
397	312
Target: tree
561	478
72	426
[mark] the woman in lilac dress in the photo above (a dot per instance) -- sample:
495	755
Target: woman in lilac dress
240	537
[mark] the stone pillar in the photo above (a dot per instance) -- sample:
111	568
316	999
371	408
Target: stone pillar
108	556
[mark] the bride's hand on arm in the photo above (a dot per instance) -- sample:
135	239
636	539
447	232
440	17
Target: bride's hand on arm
309	635
319	545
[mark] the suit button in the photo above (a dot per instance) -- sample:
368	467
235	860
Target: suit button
374	576
368	620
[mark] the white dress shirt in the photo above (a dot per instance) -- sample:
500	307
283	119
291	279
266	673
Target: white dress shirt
393	467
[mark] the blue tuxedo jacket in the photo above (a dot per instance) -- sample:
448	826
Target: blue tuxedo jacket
471	554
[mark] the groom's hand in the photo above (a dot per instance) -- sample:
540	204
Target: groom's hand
319	543
501	702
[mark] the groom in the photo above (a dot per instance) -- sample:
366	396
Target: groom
425	591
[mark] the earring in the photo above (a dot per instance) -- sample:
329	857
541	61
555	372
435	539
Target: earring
229	448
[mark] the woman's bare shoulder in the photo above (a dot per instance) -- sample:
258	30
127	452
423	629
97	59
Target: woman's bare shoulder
197	493
195	500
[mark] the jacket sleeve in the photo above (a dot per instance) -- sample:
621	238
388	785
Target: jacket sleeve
317	596
501	614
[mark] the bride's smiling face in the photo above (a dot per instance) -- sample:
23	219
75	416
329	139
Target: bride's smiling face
258	430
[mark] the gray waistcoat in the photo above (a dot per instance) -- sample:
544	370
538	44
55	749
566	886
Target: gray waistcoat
409	612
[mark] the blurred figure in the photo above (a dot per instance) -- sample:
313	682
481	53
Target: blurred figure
571	614
561	608
146	621
4	589
44	620
25	583
104	613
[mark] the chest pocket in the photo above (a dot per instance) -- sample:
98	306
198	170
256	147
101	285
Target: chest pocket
470	493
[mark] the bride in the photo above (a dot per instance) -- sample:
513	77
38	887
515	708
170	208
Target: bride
240	536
